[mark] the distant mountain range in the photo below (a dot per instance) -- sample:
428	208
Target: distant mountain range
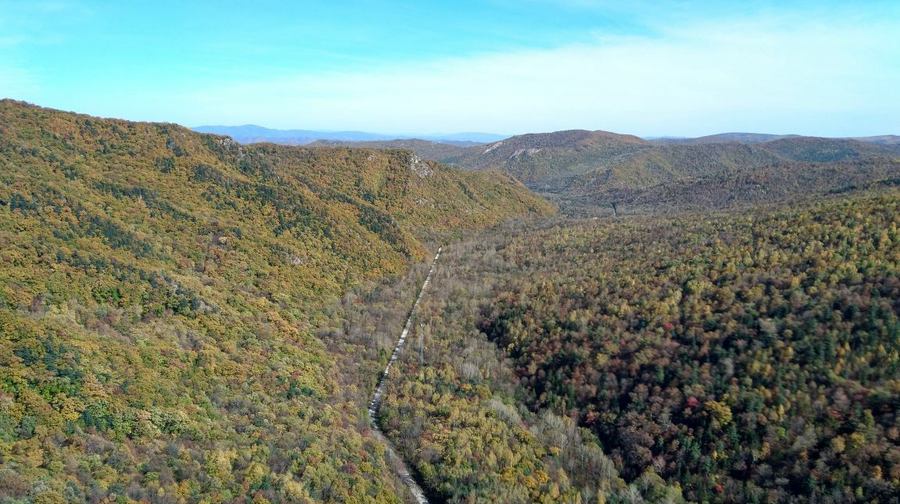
588	170
762	137
584	170
249	134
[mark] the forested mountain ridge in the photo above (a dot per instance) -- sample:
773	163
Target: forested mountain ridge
157	292
777	182
762	137
722	138
589	171
579	151
423	148
537	157
584	168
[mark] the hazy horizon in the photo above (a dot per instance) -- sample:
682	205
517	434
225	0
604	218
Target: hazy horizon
652	69
427	135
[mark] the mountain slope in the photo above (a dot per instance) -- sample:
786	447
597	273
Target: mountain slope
880	139
668	163
535	158
762	138
724	138
783	181
582	169
157	290
423	148
721	175
826	150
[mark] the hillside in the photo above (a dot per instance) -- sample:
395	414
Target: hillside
438	151
782	181
881	139
827	150
762	137
743	356
729	358
158	291
659	165
536	158
724	138
717	176
582	169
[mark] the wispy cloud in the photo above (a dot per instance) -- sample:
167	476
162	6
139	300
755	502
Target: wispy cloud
815	75
14	8
7	41
31	24
16	80
39	22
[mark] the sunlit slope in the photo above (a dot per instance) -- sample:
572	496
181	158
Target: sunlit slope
156	290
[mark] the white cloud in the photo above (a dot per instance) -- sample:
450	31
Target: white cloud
825	75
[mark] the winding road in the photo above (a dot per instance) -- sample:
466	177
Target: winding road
403	469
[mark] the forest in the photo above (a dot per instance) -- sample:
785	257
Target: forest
722	358
189	320
159	297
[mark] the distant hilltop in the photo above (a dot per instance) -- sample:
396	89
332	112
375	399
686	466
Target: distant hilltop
762	138
250	133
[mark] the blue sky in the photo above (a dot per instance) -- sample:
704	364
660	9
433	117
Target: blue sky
648	68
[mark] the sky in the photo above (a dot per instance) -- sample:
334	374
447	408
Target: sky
650	68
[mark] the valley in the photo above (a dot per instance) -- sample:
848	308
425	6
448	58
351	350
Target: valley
377	396
489	252
731	358
188	319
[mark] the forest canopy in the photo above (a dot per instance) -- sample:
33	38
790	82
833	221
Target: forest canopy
159	290
737	357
